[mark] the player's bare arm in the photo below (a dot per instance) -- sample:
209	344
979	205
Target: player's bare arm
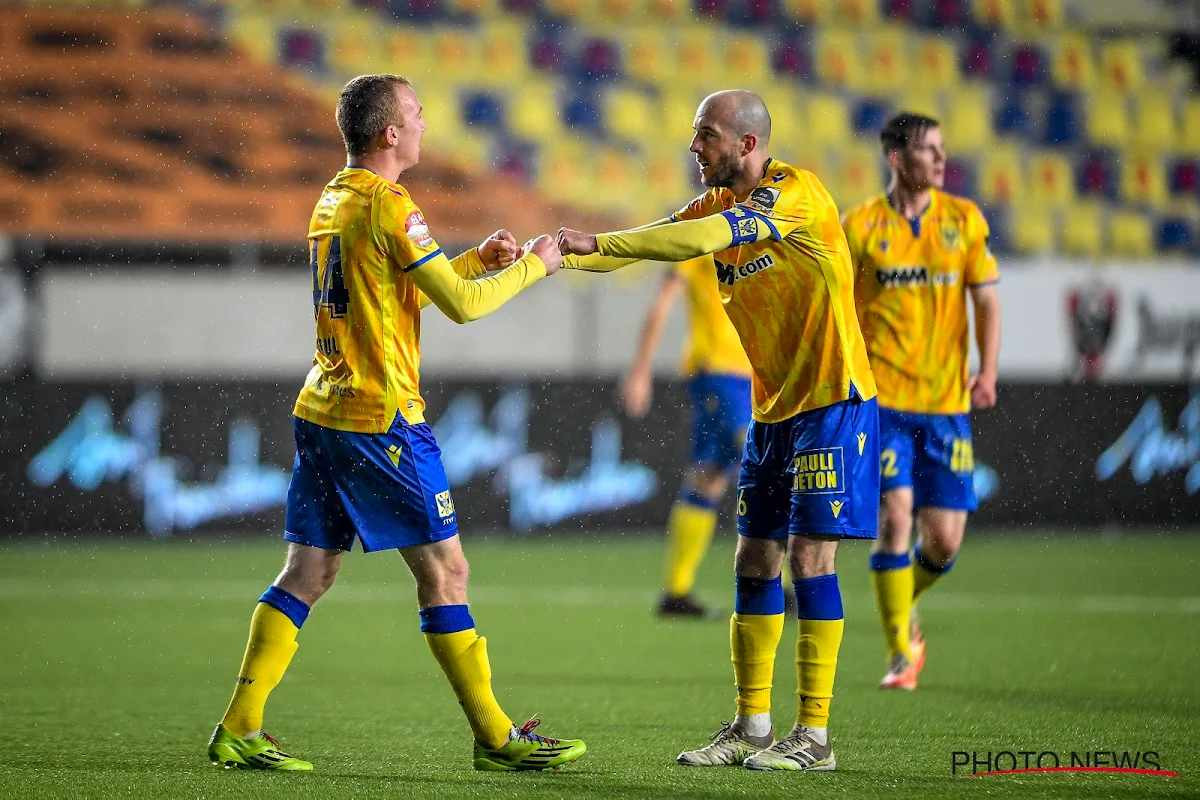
637	391
982	385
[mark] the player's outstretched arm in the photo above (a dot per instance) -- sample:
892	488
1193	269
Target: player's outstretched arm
674	241
982	385
467	300
497	252
637	391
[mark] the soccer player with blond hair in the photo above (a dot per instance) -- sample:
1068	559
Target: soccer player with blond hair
367	466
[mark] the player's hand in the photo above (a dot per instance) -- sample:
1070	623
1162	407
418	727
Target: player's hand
499	250
544	248
983	390
637	393
575	242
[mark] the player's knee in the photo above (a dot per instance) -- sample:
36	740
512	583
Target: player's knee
895	528
708	482
757	558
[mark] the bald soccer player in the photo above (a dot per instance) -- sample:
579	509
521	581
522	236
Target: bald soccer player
810	468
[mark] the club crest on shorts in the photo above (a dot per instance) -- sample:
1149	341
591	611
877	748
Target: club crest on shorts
445	504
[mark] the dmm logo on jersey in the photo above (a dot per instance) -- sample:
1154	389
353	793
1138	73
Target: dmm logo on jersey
729	274
902	277
818	471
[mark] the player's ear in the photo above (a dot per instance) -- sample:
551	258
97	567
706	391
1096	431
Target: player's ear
749	142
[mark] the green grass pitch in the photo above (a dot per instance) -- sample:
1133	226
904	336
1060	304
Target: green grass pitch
118	659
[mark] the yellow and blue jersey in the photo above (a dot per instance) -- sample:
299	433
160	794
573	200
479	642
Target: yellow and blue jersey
712	345
911	292
365	234
790	296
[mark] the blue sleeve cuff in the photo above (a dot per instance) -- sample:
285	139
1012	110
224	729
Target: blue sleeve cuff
421	261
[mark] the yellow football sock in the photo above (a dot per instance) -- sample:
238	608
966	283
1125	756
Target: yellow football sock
816	664
753	640
463	657
268	653
689	530
894	599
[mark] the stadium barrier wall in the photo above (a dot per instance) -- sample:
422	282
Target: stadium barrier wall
162	458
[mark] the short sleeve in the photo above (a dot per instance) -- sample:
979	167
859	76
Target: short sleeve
703	206
981	266
403	232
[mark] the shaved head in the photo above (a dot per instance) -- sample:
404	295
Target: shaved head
733	129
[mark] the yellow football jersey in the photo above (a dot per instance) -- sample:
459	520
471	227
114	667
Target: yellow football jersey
911	292
712	345
790	296
365	234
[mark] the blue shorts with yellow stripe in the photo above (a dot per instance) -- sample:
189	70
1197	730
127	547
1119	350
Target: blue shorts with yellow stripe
814	474
720	415
931	454
387	489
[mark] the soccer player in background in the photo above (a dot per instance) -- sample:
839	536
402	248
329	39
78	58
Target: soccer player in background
810	469
718	385
918	252
367	466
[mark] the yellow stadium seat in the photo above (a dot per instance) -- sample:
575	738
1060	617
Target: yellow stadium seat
1051	180
502	53
1143	179
1083	230
645	56
454	54
968	127
694	64
473	8
670	10
787	117
618	12
746	62
808	12
1000	171
855	12
995	13
1154	123
322	9
355	47
1121	65
919	99
407	51
566	9
1032	231
1130	235
837	58
1042	15
616	177
679	104
562	173
666	178
936	62
1189	129
533	111
826	121
1073	66
256	34
441	108
630	114
860	175
1107	120
885	67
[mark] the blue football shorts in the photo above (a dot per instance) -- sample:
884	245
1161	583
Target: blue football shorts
388	489
720	416
932	455
816	473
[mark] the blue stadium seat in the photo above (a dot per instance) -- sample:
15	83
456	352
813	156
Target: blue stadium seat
869	116
1174	235
1062	121
482	108
584	112
1012	119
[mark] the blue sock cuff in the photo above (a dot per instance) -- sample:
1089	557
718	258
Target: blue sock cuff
818	598
697	500
882	562
929	566
446	619
761	596
292	607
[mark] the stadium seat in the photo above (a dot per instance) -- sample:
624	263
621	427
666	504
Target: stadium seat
645	56
503	54
977	58
746	62
1107	118
356	47
694	63
1154	125
806	12
905	10
1185	177
950	14
618	12
583	113
885	67
616	182
598	61
828	122
1062	121
994	13
1012	119
936	62
533	111
480	9
666	179
918	99
562	170
960	177
1096	175
408	52
860	175
1041	15
968	127
565	9
1051	180
837	58
1083	230
1073	67
454	54
1000	175
1189	129
854	12
790	58
630	114
1028	65
869	116
1130	235
1032	231
787	119
1121	65
1174	236
482	109
1143	179
668	11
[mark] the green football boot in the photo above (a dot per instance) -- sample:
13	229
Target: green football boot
525	750
255	752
